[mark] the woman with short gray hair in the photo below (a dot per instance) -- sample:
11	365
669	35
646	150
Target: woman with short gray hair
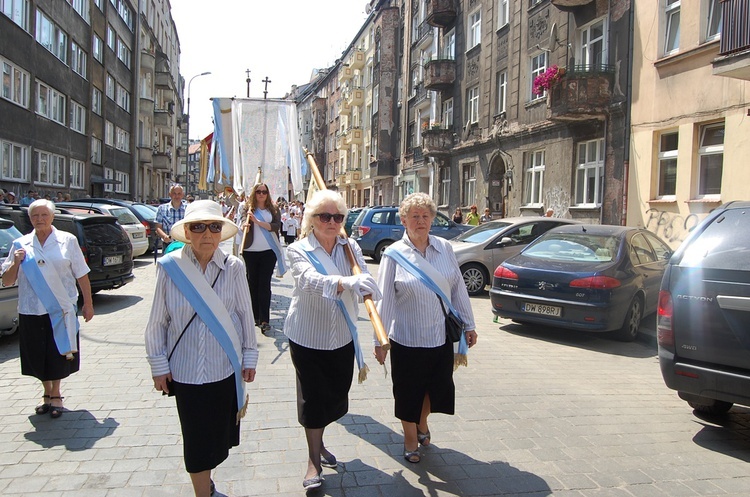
47	264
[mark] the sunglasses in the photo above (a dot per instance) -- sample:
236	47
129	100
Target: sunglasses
262	192
326	217
201	227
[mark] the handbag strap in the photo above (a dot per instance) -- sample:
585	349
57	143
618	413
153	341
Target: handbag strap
169	357
442	305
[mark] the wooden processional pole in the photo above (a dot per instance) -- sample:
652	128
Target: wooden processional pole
377	324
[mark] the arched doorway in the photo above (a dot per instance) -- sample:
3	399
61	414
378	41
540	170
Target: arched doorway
495	190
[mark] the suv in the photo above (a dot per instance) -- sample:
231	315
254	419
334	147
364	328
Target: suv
135	230
703	319
105	245
378	227
8	295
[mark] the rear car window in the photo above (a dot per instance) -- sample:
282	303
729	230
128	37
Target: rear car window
144	211
123	215
380	217
724	244
575	248
7	235
103	234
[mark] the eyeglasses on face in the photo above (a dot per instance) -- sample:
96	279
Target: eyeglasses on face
326	217
201	227
261	192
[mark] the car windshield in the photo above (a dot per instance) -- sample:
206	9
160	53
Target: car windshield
724	244
572	247
145	211
7	235
123	215
482	233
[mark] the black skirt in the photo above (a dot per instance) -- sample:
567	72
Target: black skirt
208	418
417	371
324	378
38	350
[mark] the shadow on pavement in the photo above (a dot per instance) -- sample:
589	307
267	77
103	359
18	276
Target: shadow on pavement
442	471
108	303
728	434
9	347
75	430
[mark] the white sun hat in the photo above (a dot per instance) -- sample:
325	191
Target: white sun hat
203	211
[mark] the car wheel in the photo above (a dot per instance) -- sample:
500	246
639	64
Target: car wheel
629	330
378	254
710	406
475	278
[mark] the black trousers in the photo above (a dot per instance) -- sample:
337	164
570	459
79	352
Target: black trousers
259	267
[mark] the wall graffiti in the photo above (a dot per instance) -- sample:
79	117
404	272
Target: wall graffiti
670	226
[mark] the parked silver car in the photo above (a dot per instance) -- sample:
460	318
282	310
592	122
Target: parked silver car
481	249
8	295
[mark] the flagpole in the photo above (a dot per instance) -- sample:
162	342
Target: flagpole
372	311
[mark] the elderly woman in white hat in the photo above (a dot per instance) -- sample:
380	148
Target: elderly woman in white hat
200	339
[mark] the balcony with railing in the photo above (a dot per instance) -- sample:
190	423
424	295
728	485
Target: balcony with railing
437	141
420	97
570	5
344	107
734	49
439	74
145	153
354	136
583	93
341	142
345	74
161	159
382	168
148	60
356	59
441	13
422	36
355	96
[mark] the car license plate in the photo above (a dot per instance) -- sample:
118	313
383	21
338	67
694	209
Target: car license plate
546	310
112	260
138	235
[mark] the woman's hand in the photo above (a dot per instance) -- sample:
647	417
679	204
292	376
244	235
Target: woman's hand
18	256
471	338
88	311
248	375
160	382
380	354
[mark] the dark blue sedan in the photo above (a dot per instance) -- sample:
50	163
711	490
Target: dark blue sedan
586	277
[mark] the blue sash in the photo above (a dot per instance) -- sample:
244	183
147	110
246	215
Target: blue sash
273	241
63	340
349	322
209	317
417	272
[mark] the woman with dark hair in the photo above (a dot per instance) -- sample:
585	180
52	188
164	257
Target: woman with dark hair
262	251
458	216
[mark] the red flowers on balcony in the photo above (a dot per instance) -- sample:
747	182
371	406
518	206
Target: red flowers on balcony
547	79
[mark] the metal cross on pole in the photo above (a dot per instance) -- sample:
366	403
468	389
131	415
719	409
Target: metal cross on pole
265	88
247	71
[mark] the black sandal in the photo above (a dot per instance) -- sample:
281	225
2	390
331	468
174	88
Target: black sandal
55	411
44	407
413	456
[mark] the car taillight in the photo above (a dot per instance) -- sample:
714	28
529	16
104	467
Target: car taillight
148	228
85	254
363	230
664	322
504	272
596	283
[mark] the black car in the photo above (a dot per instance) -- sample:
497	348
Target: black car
8	294
105	245
703	320
145	214
587	277
351	216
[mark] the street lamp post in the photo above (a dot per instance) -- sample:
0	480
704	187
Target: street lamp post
187	163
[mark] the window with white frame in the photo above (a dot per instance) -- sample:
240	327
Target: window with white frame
51	36
82	7
472	104
122	139
671	26
538	66
590	173
449	45
98	4
123	52
109	133
109	174
534	178
125	13
110	88
710	160
77	117
96	100
16	84
76	173
502	91
123	98
469	184
712	19
14	159
503	15
111	38
124	182
667	186
96	151
593	50
78	59
445	185
474	29
17	11
50	103
97	48
448	113
50	168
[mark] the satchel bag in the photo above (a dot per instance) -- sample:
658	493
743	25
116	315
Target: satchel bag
454	327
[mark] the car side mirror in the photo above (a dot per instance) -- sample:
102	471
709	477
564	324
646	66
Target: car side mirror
505	241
